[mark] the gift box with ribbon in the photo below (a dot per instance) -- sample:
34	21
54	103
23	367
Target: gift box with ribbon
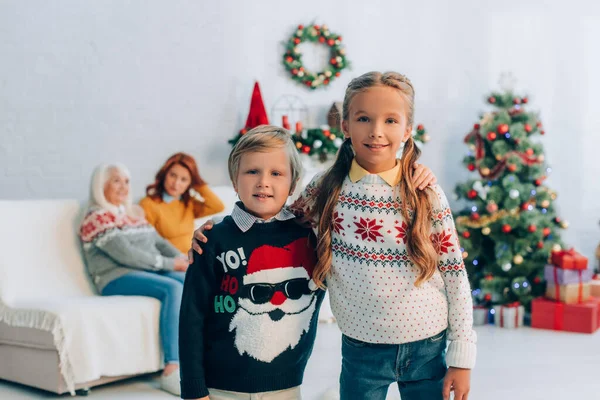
569	294
550	314
569	259
509	315
481	315
557	275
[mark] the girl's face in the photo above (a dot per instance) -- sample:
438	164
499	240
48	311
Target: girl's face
116	189
377	125
177	180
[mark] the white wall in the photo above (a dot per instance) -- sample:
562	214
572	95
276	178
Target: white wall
86	82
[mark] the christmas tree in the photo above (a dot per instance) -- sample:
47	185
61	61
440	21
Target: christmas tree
510	227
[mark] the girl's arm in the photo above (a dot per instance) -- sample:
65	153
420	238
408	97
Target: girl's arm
207	204
462	350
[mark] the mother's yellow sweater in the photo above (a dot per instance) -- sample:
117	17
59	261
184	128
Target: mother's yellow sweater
175	221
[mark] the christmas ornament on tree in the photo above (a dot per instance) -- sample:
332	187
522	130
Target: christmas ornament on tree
515	229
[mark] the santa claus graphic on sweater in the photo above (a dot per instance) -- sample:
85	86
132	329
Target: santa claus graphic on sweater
277	300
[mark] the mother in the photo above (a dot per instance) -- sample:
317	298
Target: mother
125	256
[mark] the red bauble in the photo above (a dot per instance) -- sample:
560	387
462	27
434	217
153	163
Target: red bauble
317	27
546	231
506	228
476	126
512	167
466	234
321	39
420	127
326	82
537	279
517	100
492	100
243	131
300	27
306	149
538	182
528	128
297	41
542	132
491	136
471	167
540	245
532	228
557	220
525	100
295	71
471	194
339	38
502	129
525	206
333	61
337	74
529	152
538	124
487	297
331	42
475	216
289	59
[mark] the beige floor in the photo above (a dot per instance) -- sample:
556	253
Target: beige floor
524	364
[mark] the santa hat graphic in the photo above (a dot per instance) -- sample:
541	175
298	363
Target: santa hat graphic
269	264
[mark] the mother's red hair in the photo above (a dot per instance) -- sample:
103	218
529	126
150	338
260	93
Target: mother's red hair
156	190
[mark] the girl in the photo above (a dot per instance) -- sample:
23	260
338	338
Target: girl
390	255
176	198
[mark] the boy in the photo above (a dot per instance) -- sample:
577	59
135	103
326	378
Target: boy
249	311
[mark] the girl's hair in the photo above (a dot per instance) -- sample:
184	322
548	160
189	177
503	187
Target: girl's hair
415	206
262	139
100	177
157	189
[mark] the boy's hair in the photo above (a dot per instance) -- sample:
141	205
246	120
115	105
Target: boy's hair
415	206
262	139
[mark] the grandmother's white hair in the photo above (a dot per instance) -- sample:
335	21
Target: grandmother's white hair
99	178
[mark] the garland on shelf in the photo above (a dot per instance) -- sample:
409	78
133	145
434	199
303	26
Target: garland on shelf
292	58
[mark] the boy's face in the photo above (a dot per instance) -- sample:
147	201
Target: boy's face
264	181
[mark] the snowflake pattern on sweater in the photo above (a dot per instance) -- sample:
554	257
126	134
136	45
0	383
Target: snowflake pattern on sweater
371	283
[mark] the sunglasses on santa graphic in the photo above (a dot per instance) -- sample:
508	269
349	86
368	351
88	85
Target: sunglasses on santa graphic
261	293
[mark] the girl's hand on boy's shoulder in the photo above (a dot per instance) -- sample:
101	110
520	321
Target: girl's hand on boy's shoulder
423	176
457	380
199	238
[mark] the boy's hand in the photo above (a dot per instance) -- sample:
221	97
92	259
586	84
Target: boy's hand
459	381
199	237
423	176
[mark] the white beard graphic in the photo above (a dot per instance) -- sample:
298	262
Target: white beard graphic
264	339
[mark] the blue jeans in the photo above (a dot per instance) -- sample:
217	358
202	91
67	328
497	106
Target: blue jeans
167	287
368	369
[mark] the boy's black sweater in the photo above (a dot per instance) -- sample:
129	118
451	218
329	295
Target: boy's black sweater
240	296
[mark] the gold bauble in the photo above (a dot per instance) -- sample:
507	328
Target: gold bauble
518	259
465	255
564	224
486	231
541	158
485	171
498	157
298	145
556	247
553	196
545	203
426	138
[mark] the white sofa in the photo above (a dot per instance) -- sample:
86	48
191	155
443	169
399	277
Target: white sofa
55	332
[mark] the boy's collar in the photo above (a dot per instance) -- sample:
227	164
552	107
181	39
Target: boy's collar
391	176
244	220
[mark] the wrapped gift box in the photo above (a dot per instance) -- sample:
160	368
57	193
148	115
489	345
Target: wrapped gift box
569	294
509	315
569	259
554	274
481	315
549	314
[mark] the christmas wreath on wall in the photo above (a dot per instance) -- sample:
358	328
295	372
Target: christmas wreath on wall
292	58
